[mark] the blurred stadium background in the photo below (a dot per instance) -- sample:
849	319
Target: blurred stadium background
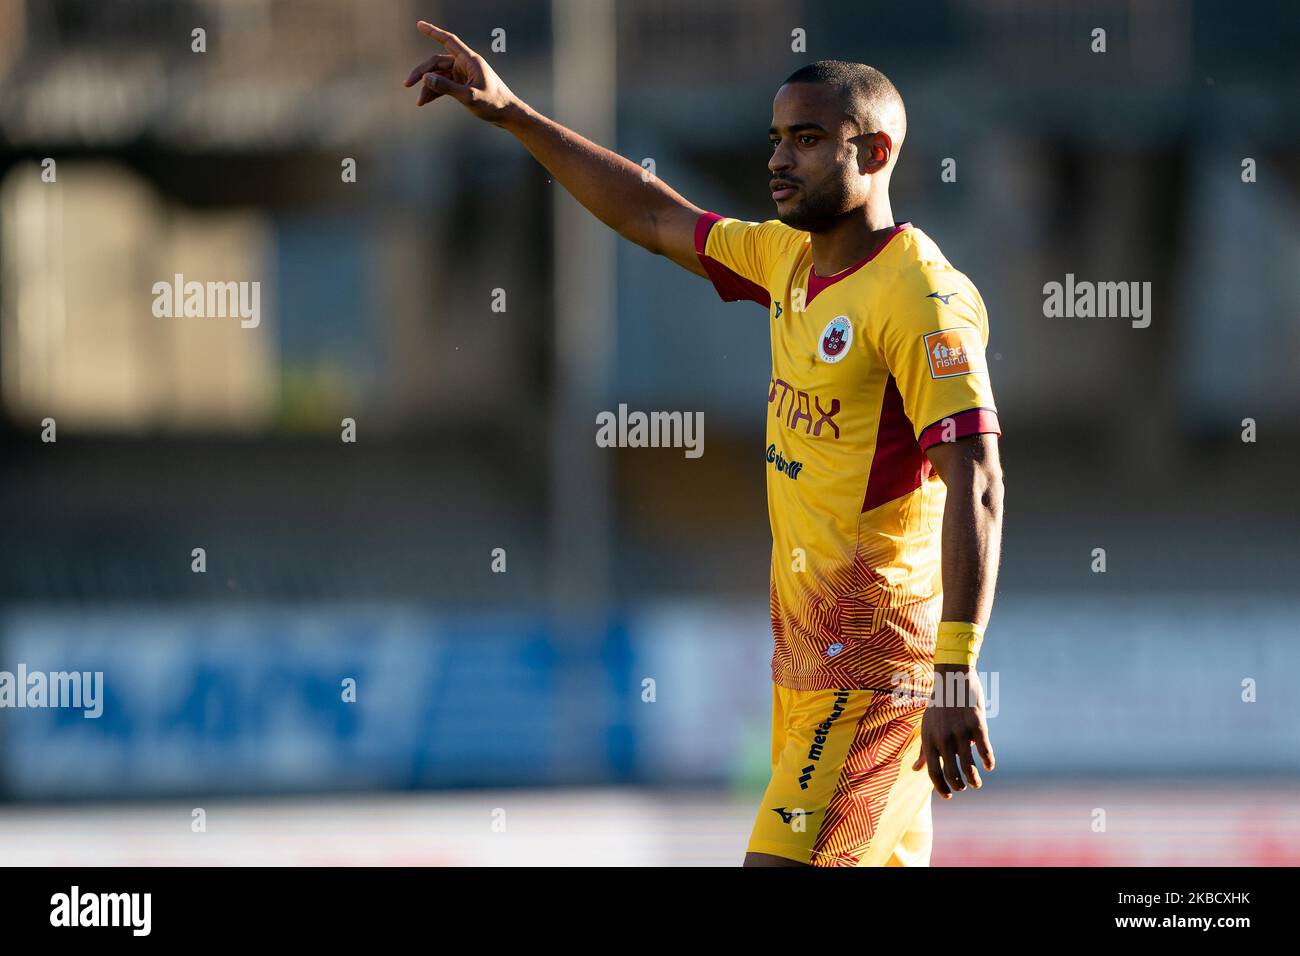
501	717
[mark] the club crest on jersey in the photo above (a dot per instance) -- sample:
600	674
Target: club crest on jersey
835	340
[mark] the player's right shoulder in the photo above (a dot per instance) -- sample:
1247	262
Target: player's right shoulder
769	235
779	235
751	252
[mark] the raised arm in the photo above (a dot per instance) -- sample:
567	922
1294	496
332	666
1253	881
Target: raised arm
614	189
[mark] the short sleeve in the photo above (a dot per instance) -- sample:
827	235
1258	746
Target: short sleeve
739	256
933	336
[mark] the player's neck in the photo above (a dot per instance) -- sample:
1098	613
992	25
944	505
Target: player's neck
852	239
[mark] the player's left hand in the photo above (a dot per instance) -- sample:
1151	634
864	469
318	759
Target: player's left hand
953	722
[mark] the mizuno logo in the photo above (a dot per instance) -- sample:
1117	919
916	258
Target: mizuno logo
788	815
778	309
941	296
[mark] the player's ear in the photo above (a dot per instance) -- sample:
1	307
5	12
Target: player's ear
881	148
874	150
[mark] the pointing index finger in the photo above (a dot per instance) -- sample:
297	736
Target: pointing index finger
449	40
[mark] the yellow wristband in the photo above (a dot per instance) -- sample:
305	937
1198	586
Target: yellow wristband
958	642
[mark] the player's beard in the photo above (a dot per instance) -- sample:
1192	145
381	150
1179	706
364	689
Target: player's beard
819	210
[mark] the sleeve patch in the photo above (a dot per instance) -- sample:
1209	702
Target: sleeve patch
953	352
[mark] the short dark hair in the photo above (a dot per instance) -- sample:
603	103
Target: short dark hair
868	94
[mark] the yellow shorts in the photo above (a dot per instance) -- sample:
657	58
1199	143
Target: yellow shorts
843	791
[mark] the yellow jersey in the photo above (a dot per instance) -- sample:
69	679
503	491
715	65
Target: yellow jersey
870	367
